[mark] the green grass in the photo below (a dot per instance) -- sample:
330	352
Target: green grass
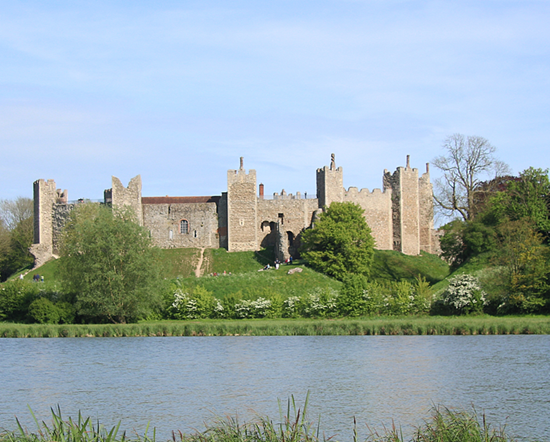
388	264
444	425
395	266
422	325
266	283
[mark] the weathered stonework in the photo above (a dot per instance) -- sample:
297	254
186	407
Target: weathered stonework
400	214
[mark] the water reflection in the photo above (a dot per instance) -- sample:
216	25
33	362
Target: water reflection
178	383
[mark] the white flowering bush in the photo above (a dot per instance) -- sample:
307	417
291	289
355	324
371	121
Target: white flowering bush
218	311
291	306
199	304
319	302
258	308
464	295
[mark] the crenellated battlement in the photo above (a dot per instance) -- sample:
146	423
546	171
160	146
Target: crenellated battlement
365	192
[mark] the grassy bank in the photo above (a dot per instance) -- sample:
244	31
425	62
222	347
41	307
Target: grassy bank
423	325
442	425
388	265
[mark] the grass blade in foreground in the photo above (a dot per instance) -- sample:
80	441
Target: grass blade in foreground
444	425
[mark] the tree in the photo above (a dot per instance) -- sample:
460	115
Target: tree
16	235
467	161
340	242
524	259
13	212
109	264
527	198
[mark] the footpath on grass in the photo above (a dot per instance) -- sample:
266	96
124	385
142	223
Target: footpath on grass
372	326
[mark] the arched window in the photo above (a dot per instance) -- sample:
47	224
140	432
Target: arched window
184	226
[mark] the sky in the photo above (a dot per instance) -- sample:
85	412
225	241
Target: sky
178	91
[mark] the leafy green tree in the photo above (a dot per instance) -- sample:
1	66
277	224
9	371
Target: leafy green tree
109	264
340	242
16	235
525	260
526	198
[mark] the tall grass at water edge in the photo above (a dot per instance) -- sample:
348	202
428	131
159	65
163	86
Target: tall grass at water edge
423	325
444	425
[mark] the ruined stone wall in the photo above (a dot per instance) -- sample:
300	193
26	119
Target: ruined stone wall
164	223
428	240
241	210
60	216
378	213
291	214
127	196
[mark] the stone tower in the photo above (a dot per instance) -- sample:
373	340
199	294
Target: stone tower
242	210
120	196
330	184
46	198
405	208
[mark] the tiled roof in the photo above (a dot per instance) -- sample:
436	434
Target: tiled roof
179	199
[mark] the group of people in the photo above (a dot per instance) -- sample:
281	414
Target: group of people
218	274
36	278
277	263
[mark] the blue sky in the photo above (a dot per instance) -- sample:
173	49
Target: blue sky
177	91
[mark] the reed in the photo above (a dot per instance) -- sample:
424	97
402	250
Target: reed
407	325
444	425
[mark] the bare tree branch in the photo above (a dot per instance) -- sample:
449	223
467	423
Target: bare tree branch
469	160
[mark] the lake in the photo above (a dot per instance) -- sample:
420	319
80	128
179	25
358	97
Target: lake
181	382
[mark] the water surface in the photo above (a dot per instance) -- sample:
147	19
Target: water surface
181	382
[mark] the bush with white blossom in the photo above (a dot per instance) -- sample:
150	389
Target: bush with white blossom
464	295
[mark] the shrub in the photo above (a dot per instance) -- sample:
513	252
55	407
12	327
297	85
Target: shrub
43	311
199	304
463	295
319	303
15	298
351	301
66	312
259	308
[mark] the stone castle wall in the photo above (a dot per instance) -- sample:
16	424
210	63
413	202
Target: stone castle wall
285	218
60	216
163	220
378	213
400	215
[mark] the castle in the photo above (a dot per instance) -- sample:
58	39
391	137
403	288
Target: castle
400	215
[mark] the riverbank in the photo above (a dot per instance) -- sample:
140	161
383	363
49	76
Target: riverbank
421	325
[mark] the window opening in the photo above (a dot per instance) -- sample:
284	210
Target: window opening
184	226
